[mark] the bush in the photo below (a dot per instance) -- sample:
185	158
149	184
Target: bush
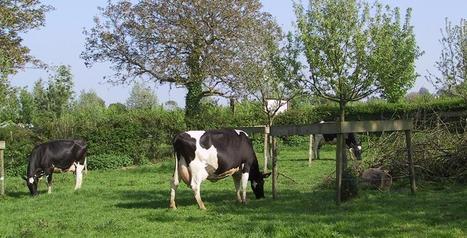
108	161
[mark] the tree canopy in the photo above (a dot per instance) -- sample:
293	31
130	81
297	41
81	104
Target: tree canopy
355	49
18	16
194	44
452	63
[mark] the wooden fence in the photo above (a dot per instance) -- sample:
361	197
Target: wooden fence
332	128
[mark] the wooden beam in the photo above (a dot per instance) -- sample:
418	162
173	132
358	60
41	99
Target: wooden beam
344	127
375	126
252	129
274	167
339	168
311	152
408	141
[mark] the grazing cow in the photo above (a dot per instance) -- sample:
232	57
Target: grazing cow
61	154
351	141
214	155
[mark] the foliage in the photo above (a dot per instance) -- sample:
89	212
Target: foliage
195	44
108	161
141	97
438	154
452	62
20	141
53	100
355	50
272	74
16	18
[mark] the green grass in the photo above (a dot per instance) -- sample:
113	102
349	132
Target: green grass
133	203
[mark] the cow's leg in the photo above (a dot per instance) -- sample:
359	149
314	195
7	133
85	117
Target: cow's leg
49	183
173	186
198	175
79	174
244	186
237	177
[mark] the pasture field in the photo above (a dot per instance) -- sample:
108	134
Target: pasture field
133	202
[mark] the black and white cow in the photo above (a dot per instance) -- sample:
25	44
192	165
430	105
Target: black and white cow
61	154
214	155
351	141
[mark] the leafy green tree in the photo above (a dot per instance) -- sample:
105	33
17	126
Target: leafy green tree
195	44
141	97
355	50
26	101
90	100
9	108
452	63
54	98
18	17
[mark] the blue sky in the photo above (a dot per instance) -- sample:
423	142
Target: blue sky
61	41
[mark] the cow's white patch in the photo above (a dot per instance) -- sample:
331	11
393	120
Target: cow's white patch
208	157
2	178
359	147
31	180
79	175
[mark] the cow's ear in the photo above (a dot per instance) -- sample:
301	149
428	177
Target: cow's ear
24	177
267	175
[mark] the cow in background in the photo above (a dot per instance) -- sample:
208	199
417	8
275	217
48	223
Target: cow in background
351	141
214	155
61	154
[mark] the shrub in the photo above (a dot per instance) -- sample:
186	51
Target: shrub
108	161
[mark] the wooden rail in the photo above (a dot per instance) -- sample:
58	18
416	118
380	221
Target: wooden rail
332	128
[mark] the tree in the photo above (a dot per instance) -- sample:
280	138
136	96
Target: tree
273	74
53	100
18	17
195	44
141	97
90	100
355	50
452	63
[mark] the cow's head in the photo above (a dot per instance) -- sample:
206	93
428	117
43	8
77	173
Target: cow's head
355	146
32	184
257	185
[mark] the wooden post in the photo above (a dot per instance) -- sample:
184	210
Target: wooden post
2	169
266	148
311	152
408	141
274	167
339	165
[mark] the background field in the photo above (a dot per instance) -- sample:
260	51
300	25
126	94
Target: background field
133	202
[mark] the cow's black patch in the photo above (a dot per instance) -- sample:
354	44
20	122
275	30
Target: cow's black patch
185	146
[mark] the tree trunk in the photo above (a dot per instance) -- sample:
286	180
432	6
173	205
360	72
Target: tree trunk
193	104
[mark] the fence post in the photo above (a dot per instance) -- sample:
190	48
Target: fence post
311	152
339	165
408	141
2	169
266	148
274	167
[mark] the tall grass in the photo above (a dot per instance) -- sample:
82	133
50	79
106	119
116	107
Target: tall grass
133	203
